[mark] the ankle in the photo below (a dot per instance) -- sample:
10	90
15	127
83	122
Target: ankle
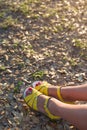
52	91
40	103
65	93
53	106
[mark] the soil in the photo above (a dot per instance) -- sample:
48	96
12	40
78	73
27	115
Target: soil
39	40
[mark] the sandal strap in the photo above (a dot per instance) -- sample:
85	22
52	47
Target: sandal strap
31	100
43	88
60	97
59	94
48	112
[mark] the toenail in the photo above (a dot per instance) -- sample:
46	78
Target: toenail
28	91
39	83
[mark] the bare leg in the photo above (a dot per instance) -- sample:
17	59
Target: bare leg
75	114
75	92
70	92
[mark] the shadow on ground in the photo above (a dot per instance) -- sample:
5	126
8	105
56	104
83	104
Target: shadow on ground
39	41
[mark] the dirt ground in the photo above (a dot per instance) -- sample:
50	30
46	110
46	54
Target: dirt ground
39	40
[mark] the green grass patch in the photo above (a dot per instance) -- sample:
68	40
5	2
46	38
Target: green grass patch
79	43
2	68
38	75
73	62
7	22
58	28
50	12
18	87
24	8
2	14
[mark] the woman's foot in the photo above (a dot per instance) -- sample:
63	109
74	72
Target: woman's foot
39	102
46	88
50	90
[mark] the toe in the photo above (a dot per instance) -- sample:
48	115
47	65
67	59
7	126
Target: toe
27	91
36	83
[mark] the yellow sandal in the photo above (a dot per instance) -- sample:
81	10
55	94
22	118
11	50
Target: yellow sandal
43	88
30	97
